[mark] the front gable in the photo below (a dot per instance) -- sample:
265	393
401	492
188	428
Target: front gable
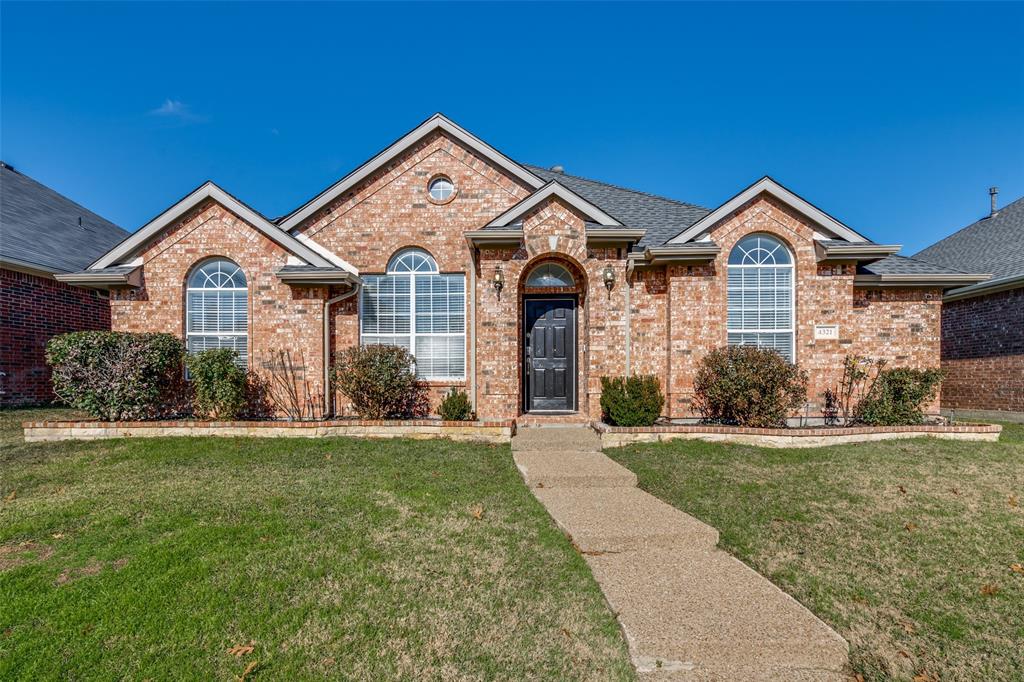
436	124
767	186
392	208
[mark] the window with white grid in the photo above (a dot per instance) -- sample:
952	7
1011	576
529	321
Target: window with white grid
419	309
761	295
217	309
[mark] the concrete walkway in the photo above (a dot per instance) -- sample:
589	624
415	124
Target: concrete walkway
689	610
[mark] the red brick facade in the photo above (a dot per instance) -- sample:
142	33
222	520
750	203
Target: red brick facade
983	352
33	309
675	314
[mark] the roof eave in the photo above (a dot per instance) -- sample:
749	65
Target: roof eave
102	280
613	235
944	281
665	255
854	251
29	268
315	278
494	237
992	286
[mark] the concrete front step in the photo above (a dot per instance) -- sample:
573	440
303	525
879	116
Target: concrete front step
572	470
556	439
707	616
622	519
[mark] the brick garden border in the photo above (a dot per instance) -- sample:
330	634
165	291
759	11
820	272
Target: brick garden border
476	431
615	436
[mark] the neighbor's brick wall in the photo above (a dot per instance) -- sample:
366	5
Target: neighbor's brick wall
900	325
33	310
983	352
281	317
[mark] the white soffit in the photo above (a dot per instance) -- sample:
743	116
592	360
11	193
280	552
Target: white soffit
766	184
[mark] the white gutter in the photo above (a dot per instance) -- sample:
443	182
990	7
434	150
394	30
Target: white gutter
328	393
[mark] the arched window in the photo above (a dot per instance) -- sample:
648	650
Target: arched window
217	309
416	307
761	295
550	275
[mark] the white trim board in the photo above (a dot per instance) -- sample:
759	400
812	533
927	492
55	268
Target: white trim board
435	122
209	190
767	184
562	192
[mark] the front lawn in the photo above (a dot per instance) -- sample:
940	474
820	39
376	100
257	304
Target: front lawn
913	550
136	559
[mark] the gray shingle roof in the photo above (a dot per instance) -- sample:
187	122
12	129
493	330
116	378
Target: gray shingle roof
992	245
901	265
662	218
41	227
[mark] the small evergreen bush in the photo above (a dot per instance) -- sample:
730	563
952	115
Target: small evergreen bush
380	382
631	401
456	407
219	386
748	386
898	396
119	375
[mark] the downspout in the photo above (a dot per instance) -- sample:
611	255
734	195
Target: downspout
626	292
630	266
472	326
328	393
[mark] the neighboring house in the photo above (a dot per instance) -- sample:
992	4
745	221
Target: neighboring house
42	234
983	324
522	285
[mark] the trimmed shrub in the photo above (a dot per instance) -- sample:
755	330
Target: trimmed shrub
748	386
898	396
380	382
631	401
219	385
119	375
456	407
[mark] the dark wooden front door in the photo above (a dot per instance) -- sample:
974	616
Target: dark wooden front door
550	354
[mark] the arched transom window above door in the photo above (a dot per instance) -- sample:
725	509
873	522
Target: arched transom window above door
217	308
550	275
416	307
761	295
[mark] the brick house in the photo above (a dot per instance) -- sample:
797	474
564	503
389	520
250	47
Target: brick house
43	234
522	285
983	324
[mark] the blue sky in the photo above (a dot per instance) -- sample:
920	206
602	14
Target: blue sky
893	118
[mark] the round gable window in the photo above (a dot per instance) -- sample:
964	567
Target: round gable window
441	189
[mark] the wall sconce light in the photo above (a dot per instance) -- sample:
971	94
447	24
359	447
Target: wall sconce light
608	275
499	281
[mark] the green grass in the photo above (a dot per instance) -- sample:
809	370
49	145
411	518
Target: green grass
150	558
895	544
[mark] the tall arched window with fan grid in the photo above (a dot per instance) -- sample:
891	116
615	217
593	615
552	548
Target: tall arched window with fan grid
761	295
217	309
